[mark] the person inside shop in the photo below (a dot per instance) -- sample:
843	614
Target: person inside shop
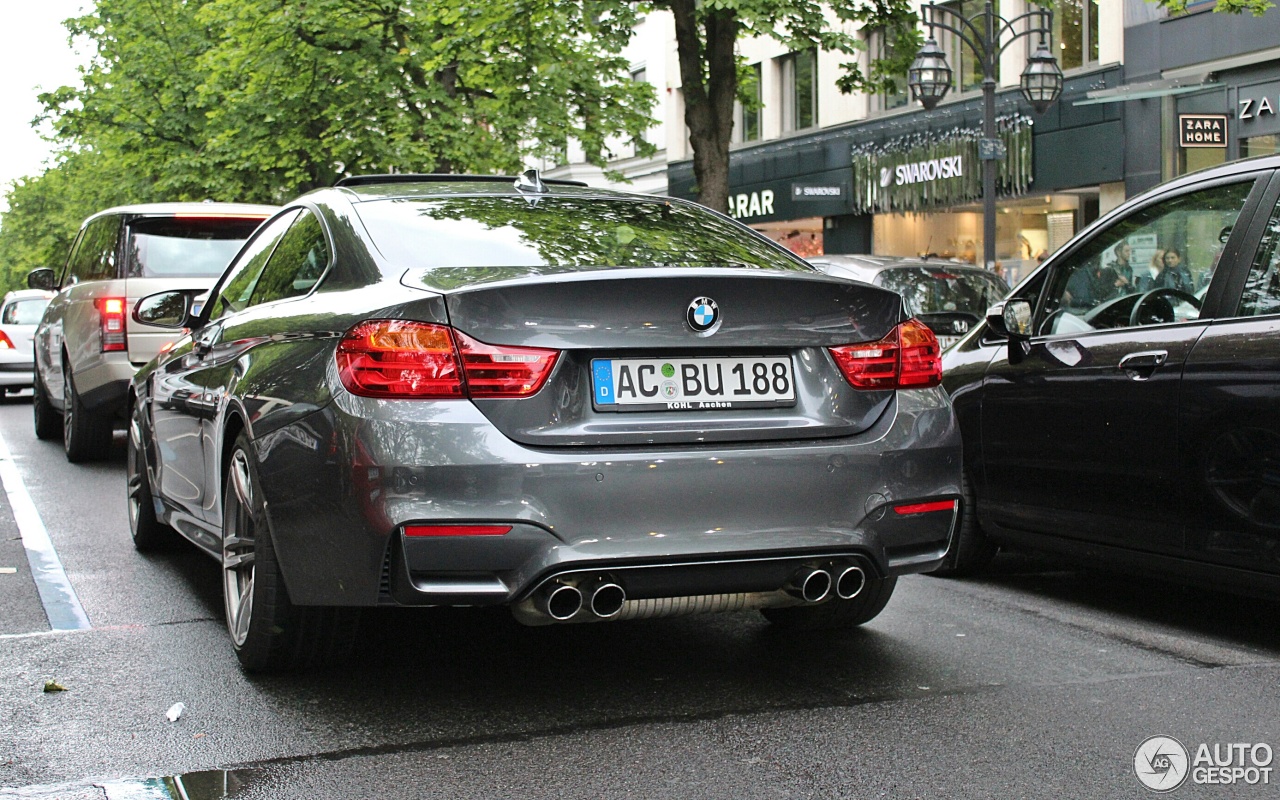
1176	267
1092	285
1123	269
1165	272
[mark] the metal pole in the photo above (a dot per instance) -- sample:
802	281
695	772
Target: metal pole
989	132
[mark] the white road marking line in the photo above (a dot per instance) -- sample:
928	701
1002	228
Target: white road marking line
61	605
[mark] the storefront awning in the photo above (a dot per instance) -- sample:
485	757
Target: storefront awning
1165	87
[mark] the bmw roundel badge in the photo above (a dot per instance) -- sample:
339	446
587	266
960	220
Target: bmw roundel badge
703	315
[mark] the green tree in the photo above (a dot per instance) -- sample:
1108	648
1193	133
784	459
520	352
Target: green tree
707	33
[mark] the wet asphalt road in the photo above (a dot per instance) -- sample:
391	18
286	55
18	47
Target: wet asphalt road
1036	681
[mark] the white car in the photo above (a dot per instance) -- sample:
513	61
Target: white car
20	313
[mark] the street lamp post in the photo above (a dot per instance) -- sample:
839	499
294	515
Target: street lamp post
987	35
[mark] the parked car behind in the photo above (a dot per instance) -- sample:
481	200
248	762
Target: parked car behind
950	298
581	404
88	346
20	312
1136	428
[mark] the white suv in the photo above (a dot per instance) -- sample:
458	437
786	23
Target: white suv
89	345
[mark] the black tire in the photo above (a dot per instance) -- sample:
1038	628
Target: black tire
836	613
86	436
48	422
971	551
149	534
269	633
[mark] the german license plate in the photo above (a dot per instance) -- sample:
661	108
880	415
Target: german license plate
684	384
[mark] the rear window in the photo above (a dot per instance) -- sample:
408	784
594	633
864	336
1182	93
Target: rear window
186	247
561	232
24	312
937	290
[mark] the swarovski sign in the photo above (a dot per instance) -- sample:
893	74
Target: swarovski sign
920	171
937	169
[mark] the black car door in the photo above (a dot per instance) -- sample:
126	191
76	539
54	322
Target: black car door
1230	413
1080	432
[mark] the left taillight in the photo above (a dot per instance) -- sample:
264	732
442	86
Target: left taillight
111	314
419	360
908	357
5	342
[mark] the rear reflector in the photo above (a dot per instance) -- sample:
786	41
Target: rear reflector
425	361
111	313
908	357
925	508
456	530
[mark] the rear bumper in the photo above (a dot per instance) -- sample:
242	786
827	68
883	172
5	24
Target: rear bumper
104	387
343	482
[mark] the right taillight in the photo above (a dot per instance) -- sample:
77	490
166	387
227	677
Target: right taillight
907	358
111	314
425	361
397	358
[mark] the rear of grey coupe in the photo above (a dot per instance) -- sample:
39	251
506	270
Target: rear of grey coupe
579	404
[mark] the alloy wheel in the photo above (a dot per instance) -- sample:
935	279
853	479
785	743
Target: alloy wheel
238	534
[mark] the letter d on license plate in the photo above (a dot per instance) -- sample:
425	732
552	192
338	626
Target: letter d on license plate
691	384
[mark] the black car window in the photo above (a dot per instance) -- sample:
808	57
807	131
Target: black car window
186	246
95	256
1151	267
562	232
241	278
939	290
297	263
1262	287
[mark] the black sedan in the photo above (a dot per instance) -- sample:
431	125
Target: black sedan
583	405
1123	404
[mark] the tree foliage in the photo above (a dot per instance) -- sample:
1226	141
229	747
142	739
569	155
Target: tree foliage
707	33
261	100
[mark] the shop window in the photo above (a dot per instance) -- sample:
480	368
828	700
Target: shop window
881	46
746	122
800	90
1075	32
1260	146
965	65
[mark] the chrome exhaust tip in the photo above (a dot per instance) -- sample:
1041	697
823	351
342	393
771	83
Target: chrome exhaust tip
810	584
607	599
560	601
850	582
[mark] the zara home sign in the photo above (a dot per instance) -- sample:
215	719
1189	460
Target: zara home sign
1202	130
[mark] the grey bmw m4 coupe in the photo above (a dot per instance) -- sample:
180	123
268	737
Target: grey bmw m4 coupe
581	404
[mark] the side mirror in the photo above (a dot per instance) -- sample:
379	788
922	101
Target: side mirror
1016	316
164	310
42	278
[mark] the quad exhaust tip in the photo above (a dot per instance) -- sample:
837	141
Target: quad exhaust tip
560	601
850	582
810	584
607	600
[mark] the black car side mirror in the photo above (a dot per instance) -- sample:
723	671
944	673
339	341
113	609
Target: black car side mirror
42	278
165	310
1012	319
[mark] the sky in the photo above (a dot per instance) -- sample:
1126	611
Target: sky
34	57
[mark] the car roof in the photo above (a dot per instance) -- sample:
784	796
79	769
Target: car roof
479	186
877	264
27	294
200	209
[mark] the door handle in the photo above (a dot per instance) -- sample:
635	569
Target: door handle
1141	366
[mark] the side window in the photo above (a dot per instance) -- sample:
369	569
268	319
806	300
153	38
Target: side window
237	284
1262	287
1151	267
297	263
94	258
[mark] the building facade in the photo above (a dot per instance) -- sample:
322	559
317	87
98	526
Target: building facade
1146	97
